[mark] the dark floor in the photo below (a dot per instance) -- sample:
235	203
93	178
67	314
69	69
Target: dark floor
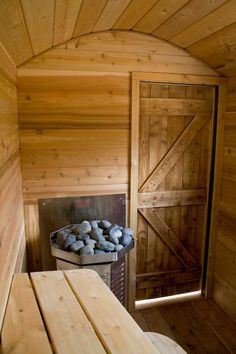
199	326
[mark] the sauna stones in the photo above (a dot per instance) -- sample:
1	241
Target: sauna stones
94	237
94	224
97	235
83	237
70	239
61	237
86	251
104	224
90	243
113	239
105	246
76	246
125	240
97	251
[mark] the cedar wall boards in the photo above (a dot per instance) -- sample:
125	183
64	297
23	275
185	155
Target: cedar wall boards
75	116
225	260
12	239
74	112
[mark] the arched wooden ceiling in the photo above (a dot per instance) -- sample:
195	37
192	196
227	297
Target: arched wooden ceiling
205	28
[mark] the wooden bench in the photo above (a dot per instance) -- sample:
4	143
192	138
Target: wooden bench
165	344
68	312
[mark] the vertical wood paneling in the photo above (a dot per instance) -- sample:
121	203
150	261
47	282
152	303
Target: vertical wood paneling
32	237
153	249
224	291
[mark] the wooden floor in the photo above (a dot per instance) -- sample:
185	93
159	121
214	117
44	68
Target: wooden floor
199	326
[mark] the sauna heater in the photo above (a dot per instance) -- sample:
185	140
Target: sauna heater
58	213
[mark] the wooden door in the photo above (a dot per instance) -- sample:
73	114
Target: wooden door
174	149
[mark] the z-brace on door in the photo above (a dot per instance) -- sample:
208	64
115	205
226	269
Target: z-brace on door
174	150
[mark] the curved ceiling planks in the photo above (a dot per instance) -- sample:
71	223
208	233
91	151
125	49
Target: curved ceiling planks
205	28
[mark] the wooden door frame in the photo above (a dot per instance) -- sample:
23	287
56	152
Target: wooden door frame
162	78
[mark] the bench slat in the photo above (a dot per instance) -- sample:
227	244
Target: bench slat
68	327
23	329
115	327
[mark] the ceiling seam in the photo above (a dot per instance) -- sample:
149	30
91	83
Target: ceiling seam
139	18
53	26
100	15
150	10
127	6
170	17
26	26
81	5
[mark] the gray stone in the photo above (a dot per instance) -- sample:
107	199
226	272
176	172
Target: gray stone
97	235
113	229
83	228
94	224
96	251
113	239
83	237
86	251
90	242
125	240
118	247
68	242
76	228
117	233
61	237
76	246
105	246
127	231
104	224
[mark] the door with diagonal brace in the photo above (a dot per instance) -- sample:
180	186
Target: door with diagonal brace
174	150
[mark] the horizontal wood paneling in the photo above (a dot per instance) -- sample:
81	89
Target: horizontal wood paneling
74	115
225	270
12	239
79	101
116	52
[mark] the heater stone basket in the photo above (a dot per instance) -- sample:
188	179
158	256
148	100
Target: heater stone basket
110	266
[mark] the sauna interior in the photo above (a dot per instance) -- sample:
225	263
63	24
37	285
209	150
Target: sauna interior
134	97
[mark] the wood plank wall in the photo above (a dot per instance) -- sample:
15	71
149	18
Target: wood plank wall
74	114
225	260
12	238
